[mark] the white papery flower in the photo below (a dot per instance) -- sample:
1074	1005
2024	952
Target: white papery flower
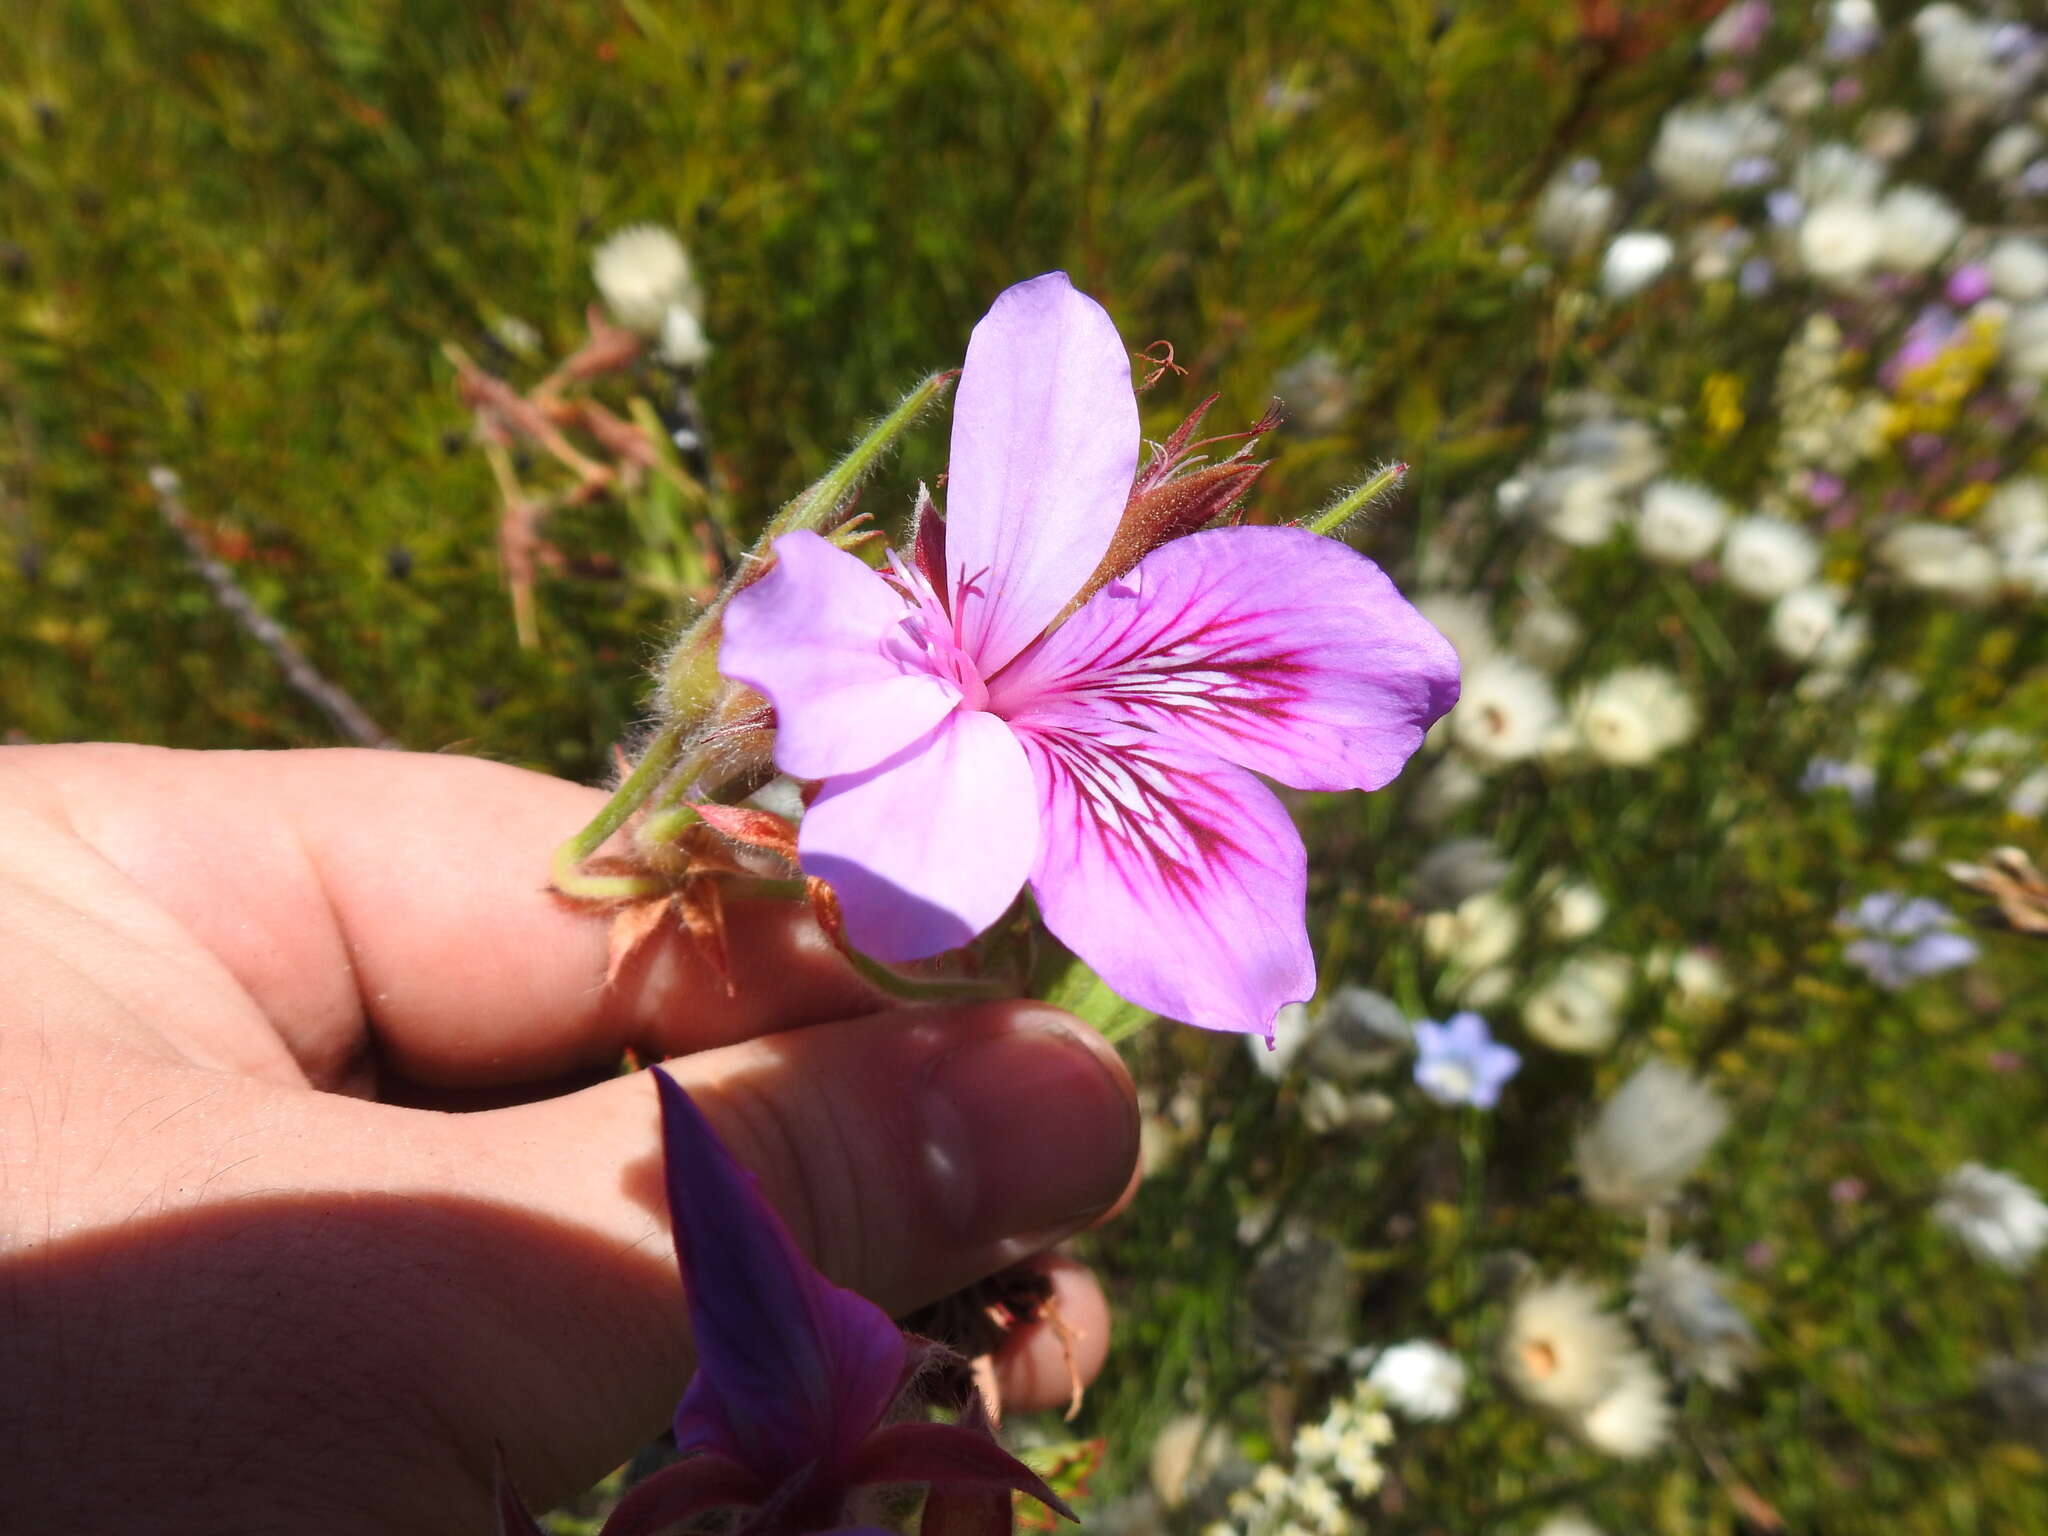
641	273
1683	1303
1462	619
2024	341
2015	519
1574	910
1562	1349
1998	1217
1290	1033
1834	171
2010	151
1420	1379
1963	58
1634	1418
1446	790
683	343
1505	709
2029	797
1940	557
1647	1140
1839	241
1579	504
1680	522
1631	717
1455	870
1765	557
1635	260
1698	145
1570	1523
1796	91
2018	269
1802	620
1547	636
1916	227
1846	644
1479	932
1184	1453
1579	1008
1698	977
1573	215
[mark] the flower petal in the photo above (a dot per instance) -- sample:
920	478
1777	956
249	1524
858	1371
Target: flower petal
927	849
944	1455
791	1369
1177	877
1045	446
822	637
1273	648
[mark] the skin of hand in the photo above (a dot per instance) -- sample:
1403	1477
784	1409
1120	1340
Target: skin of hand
314	1182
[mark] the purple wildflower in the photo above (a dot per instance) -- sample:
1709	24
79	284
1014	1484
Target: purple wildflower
1905	938
1930	334
974	728
1459	1061
1755	277
800	1391
1968	284
1856	780
1784	207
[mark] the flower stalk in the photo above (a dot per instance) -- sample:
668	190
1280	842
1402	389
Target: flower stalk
691	692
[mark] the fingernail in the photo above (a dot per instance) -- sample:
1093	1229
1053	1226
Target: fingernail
1024	1131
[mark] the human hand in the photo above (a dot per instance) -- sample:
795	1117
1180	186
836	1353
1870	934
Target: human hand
253	1277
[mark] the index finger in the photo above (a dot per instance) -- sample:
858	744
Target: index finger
405	898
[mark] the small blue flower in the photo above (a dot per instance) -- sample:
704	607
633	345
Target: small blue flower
1904	939
1459	1061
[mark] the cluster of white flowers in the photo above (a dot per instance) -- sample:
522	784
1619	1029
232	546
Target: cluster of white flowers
1335	1462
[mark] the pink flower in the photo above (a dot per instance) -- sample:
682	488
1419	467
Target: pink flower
971	736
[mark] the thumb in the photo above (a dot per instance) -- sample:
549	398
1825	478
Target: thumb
910	1153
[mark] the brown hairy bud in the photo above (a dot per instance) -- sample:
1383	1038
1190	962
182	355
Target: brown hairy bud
1171	511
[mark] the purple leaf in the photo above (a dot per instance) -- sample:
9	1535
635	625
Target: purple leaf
692	1487
947	1456
792	1370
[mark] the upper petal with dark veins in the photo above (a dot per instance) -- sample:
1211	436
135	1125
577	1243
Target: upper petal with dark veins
1045	445
1274	648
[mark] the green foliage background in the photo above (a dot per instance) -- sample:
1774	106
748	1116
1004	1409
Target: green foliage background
238	233
233	237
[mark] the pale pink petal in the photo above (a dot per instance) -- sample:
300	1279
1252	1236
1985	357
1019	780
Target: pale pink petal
823	638
1045	444
1177	877
1273	648
930	847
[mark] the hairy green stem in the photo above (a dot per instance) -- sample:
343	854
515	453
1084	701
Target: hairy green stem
1341	511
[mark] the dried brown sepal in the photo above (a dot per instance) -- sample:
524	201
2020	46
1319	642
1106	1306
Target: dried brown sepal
700	907
632	926
2015	884
825	908
760	830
